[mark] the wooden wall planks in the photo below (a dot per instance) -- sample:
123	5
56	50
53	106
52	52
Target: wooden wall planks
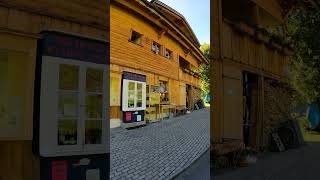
243	49
126	55
20	20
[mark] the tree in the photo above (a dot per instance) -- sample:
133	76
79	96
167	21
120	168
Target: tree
204	70
304	30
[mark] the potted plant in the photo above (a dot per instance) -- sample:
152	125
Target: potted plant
262	35
276	41
248	156
245	25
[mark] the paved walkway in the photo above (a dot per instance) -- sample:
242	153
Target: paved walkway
199	170
159	150
296	164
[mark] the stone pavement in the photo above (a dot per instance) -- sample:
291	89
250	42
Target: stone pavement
295	164
200	169
159	150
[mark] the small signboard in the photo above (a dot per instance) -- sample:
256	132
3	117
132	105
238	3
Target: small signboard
56	44
277	140
59	170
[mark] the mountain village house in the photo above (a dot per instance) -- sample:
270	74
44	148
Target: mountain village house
154	40
248	70
46	49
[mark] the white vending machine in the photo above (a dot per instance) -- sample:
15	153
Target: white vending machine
133	97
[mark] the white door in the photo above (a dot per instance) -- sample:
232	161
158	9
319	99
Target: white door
73	108
133	95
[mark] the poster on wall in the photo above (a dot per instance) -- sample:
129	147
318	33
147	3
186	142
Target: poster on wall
11	97
154	96
115	89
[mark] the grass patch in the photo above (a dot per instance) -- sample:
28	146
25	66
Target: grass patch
309	136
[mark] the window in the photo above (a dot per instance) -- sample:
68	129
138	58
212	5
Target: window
139	95
94	107
68	104
168	54
134	95
136	38
164	92
72	111
156	48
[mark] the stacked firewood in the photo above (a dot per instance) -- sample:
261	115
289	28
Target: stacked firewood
277	103
195	96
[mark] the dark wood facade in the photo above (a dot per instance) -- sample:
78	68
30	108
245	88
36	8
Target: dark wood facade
241	53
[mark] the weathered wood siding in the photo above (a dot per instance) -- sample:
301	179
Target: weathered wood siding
272	7
21	21
255	56
32	17
128	56
125	53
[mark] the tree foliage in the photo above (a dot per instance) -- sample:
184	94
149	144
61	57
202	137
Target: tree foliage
204	70
304	30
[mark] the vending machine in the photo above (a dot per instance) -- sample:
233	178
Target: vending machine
133	104
71	128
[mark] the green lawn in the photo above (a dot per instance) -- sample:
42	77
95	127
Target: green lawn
309	136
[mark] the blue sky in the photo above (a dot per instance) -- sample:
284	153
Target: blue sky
197	13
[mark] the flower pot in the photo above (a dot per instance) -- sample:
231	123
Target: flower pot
244	28
261	37
276	45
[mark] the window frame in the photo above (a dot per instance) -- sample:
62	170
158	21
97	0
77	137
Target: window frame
160	47
141	37
49	146
171	53
125	98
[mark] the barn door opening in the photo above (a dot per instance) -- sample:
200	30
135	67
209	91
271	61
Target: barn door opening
188	97
251	108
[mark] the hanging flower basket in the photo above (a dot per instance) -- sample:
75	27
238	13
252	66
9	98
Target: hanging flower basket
262	37
244	28
275	45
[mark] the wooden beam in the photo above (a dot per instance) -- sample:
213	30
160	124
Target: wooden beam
216	71
162	32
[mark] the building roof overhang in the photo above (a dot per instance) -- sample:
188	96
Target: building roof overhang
157	17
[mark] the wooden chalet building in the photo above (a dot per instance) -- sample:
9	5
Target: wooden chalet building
50	33
248	70
152	39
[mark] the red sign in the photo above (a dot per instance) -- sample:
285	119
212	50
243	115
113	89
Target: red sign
128	116
59	170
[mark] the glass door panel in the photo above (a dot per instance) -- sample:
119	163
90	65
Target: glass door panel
68	77
94	81
94	107
139	95
93	132
68	104
131	94
67	132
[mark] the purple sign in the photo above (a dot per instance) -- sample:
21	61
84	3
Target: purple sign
134	76
58	44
